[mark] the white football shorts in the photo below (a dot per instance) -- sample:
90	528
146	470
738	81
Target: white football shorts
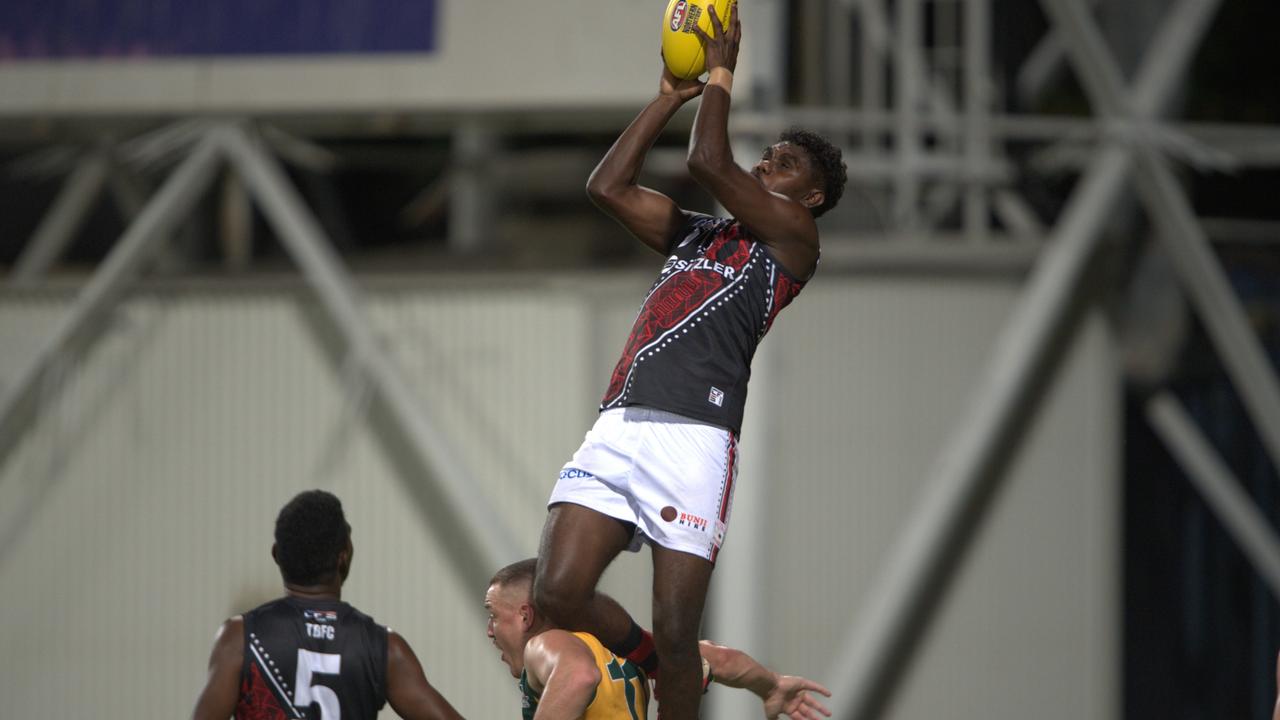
672	477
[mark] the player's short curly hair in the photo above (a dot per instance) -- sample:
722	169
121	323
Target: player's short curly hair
310	532
827	160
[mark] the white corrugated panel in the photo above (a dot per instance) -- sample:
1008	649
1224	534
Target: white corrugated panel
872	378
136	511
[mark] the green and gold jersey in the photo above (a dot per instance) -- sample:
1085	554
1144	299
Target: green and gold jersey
623	692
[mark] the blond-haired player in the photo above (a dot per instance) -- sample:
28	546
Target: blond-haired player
570	675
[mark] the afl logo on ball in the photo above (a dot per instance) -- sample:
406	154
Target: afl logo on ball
677	15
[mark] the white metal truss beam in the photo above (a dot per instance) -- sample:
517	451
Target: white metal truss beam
170	205
127	190
1221	490
1178	229
966	476
67	213
483	540
98	170
1043	62
306	243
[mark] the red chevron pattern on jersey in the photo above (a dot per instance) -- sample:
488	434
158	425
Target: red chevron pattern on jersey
785	289
257	701
677	296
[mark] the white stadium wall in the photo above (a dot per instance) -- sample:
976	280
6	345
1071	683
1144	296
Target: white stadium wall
136	510
504	55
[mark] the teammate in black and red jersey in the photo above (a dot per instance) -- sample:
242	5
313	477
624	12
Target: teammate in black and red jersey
660	462
308	654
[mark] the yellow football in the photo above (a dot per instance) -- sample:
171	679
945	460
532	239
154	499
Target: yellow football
681	48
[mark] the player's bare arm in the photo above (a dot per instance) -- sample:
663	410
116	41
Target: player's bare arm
408	692
647	214
562	668
222	686
781	221
781	694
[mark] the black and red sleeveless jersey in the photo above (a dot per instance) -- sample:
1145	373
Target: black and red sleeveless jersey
691	346
319	660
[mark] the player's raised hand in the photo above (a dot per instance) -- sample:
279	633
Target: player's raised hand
683	90
790	697
721	46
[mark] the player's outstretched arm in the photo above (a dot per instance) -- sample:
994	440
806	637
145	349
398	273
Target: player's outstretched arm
565	671
651	216
408	692
783	224
222	686
781	694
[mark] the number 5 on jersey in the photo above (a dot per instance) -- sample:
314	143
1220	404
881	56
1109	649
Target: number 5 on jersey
314	663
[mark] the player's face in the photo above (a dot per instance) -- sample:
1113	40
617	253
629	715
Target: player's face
507	625
787	170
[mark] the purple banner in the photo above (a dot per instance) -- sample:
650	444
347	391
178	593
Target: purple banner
41	29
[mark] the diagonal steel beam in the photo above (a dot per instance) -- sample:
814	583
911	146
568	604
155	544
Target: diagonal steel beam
128	191
170	205
70	209
1239	348
1211	476
486	543
1044	61
303	238
1179	230
67	213
1099	73
967	475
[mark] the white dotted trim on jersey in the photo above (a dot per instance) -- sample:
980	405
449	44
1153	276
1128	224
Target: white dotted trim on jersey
712	304
273	673
768	299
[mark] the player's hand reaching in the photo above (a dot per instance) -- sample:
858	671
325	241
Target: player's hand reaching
682	90
722	46
790	697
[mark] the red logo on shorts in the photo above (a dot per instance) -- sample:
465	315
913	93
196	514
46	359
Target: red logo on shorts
687	519
677	15
693	521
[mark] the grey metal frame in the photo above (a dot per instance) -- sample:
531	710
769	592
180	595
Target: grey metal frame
488	543
308	246
1179	229
968	473
167	208
1220	489
80	189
